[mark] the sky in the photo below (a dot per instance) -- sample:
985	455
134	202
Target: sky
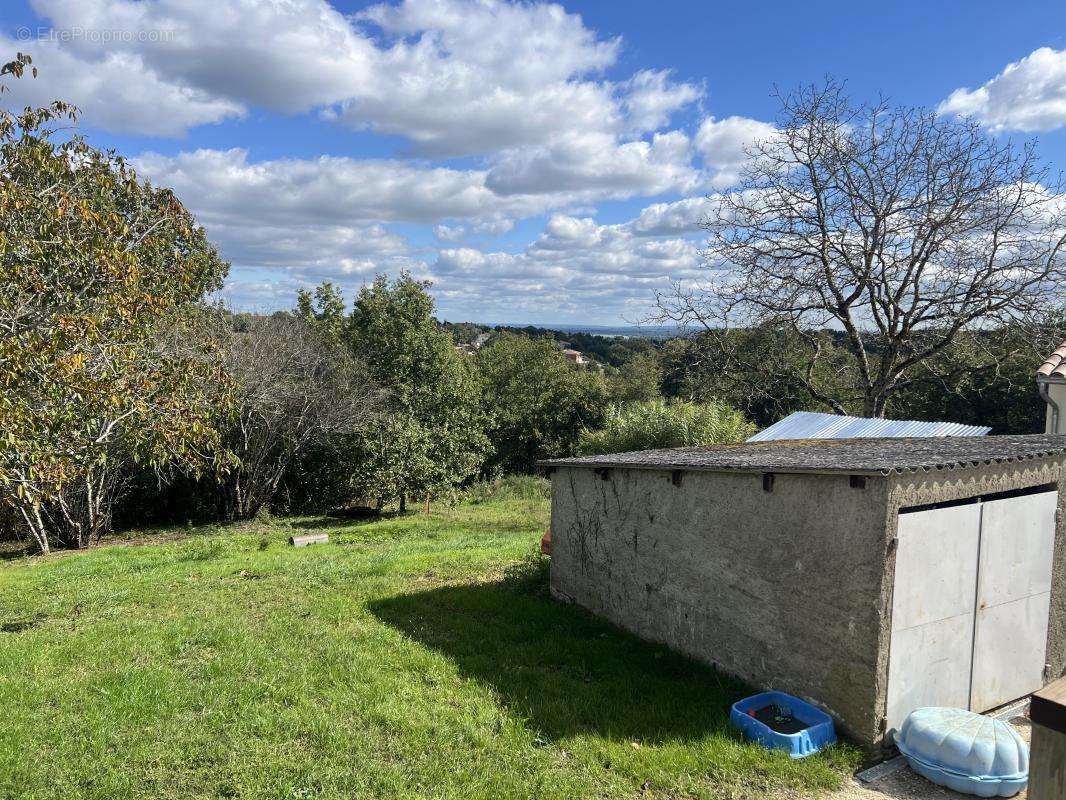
539	163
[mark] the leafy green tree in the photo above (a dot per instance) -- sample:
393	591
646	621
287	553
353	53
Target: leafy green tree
98	273
638	380
538	401
324	308
660	424
433	437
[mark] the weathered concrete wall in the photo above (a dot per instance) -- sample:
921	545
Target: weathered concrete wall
1058	394
938	487
782	588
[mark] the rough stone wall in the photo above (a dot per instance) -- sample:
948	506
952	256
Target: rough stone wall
782	588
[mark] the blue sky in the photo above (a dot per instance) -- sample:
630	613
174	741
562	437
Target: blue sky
539	163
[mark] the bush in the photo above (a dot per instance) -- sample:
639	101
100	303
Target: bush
656	424
510	487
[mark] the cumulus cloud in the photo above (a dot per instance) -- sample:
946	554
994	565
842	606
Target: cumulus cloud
576	264
226	184
454	77
1028	95
724	145
116	92
651	99
678	217
597	165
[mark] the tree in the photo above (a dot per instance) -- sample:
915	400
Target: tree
538	401
661	424
98	272
432	437
295	388
323	309
639	379
896	227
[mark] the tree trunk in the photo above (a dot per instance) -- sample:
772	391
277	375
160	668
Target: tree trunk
403	502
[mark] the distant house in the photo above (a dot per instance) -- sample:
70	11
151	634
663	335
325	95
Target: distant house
576	356
482	339
465	349
1051	382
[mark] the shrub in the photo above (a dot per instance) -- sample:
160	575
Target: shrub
656	424
510	487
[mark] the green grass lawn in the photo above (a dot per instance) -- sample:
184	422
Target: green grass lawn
413	657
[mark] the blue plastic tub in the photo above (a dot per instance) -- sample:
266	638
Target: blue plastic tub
818	734
964	751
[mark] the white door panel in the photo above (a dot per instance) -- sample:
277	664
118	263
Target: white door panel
933	609
1013	598
970	604
1017	540
936	565
1009	650
929	665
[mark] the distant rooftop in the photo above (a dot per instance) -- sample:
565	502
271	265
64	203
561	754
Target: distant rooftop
852	456
815	425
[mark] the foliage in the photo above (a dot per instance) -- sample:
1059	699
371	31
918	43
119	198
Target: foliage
509	487
98	273
393	663
432	436
295	388
660	424
537	400
985	378
638	380
898	227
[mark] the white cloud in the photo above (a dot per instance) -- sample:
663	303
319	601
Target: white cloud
678	217
449	233
724	145
225	184
116	92
288	56
1028	95
651	99
575	265
598	165
455	77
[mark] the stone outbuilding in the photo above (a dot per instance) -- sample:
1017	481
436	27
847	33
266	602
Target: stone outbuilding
869	576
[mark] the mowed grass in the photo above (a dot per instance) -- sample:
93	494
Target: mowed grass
412	657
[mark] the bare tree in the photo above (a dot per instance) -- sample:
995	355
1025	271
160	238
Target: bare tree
295	388
887	230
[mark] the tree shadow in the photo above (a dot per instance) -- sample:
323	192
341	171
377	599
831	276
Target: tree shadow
562	669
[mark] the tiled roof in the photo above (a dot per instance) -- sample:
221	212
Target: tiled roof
854	456
1055	365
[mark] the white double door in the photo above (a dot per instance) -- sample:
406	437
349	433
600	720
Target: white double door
970	604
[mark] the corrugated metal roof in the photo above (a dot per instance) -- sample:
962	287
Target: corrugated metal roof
815	425
862	456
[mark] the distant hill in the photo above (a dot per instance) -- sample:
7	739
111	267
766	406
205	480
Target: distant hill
641	332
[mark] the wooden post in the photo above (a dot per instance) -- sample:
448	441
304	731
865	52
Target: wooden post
1047	751
427	502
309	538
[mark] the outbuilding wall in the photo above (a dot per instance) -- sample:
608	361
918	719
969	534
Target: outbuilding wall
783	588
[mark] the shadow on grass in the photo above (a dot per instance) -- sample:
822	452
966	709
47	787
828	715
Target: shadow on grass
560	668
